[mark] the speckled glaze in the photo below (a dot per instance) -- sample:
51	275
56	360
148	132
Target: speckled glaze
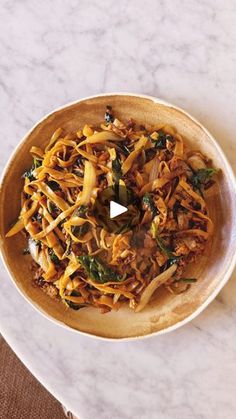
183	51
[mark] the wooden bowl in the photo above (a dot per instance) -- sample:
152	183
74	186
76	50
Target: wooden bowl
166	311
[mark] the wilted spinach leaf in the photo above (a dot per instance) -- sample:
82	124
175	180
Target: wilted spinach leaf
53	185
73	305
80	231
201	176
53	257
124	150
149	203
160	142
164	249
29	173
98	270
116	169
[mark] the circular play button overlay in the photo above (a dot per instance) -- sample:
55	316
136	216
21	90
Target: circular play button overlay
117	209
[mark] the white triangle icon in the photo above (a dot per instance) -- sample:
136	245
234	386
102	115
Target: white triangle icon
116	209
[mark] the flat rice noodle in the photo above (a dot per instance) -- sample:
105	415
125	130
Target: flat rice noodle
126	166
210	224
154	284
54	138
58	147
36	151
57	220
168	196
109	290
101	137
148	166
74	299
163	167
159	183
90	181
154	170
65	278
107	301
55	174
179	147
70	184
87	155
161	206
88	236
24	216
42	261
51	271
139	179
50	219
103	239
66	163
54	244
57	200
95	235
192	193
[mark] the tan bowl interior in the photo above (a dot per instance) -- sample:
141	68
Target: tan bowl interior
165	310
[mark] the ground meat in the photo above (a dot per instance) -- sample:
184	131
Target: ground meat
149	242
177	163
171	225
183	220
48	288
51	291
180	248
194	244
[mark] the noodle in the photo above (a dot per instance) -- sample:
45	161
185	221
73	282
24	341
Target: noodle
87	265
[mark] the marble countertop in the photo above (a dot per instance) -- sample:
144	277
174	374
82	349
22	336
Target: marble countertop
183	51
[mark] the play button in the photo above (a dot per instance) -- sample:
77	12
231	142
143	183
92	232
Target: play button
117	209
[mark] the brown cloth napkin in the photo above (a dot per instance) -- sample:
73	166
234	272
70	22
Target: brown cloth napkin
21	395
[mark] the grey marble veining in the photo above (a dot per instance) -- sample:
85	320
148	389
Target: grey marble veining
184	51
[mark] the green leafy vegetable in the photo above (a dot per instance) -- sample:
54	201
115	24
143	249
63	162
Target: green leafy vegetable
164	249
29	173
53	185
53	257
52	207
149	203
150	153
123	228
73	305
178	207
124	150
160	142
98	270
108	115
81	211
116	169
80	231
201	177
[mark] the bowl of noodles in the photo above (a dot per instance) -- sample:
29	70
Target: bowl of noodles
167	260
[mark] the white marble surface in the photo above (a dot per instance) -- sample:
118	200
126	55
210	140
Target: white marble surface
184	51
